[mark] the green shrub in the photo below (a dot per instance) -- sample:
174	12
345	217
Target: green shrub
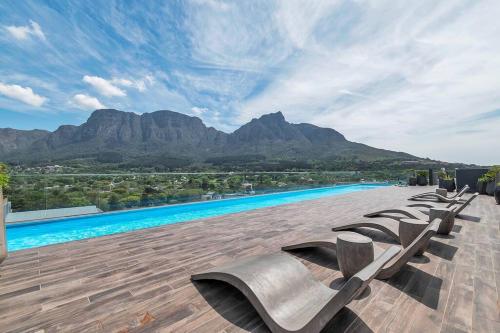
4	177
423	173
484	178
491	174
447	177
444	175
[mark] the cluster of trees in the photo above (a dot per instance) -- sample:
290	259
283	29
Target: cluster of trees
111	192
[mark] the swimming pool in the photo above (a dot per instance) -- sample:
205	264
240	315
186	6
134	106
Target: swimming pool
29	235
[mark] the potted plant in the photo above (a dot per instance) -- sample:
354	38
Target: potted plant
422	177
412	181
481	184
490	177
497	193
490	187
447	182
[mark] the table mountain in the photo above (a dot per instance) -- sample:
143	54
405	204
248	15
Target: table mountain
167	133
12	139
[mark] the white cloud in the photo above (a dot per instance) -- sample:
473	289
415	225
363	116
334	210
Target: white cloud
214	4
23	94
87	102
139	84
298	21
389	73
198	111
104	87
234	36
383	70
24	32
110	88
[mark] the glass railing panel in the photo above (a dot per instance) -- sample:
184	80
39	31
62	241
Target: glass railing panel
110	192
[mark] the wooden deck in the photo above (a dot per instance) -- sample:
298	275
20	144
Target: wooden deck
139	281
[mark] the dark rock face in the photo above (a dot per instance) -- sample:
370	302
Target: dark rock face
320	135
168	133
270	127
161	131
13	139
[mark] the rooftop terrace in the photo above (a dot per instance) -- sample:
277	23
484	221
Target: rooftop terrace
139	281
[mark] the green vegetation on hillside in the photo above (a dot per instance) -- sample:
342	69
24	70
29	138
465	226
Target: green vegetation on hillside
113	192
4	176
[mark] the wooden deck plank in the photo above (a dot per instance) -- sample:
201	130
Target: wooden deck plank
139	281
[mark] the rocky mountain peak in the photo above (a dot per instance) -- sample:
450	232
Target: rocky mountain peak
169	133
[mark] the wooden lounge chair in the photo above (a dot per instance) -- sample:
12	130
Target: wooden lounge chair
403	231
437	197
285	293
447	215
395	264
410	212
458	205
457	194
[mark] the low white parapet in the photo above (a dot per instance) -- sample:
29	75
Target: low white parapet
47	214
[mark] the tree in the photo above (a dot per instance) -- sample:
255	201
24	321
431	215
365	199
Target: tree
114	201
4	177
204	183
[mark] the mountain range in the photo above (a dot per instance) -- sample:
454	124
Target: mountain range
113	136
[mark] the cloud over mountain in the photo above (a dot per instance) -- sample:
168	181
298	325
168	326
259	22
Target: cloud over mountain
398	74
22	94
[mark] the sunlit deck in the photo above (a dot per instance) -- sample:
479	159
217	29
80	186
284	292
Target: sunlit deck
139	281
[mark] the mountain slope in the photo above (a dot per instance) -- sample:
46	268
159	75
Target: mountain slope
12	140
167	133
272	135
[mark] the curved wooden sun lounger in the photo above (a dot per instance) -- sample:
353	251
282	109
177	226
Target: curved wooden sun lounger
395	264
285	293
386	225
447	216
408	212
434	196
458	194
403	231
459	205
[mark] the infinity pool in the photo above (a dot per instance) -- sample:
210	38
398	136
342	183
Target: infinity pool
28	235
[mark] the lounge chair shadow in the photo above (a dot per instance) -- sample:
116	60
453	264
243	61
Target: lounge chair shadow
469	218
423	259
318	255
442	250
346	319
450	236
426	199
338	283
230	303
421	286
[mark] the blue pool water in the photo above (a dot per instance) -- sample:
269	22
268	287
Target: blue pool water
28	235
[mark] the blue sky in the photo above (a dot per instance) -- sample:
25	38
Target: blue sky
419	76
